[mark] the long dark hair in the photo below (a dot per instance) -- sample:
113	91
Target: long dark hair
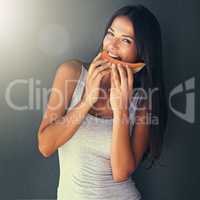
149	48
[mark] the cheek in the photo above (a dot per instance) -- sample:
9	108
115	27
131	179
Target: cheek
105	43
129	54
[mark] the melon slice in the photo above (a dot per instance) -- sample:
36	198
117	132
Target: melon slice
135	67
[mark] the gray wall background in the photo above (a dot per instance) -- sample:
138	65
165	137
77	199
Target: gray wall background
37	36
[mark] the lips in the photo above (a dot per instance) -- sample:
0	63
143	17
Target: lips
114	56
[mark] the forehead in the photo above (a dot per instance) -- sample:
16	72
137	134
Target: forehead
122	24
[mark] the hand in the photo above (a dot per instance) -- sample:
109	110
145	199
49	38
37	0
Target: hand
121	87
97	69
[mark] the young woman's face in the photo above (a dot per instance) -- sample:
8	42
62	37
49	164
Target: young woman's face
119	40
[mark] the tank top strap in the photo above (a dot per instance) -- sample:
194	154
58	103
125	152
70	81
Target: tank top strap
76	97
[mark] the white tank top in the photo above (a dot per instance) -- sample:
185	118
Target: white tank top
84	160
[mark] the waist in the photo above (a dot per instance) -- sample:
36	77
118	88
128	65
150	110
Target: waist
75	188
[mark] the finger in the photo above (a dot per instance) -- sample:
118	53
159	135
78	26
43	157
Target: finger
123	76
116	77
98	70
101	75
130	80
130	77
112	81
94	60
96	64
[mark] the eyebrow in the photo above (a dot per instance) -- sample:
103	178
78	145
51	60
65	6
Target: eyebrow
123	35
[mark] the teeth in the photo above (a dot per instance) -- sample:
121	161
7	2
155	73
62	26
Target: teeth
113	56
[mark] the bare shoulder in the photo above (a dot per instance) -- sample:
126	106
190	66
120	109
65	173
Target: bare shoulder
71	67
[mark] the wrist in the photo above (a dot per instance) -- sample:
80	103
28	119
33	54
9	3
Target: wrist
121	116
85	103
121	112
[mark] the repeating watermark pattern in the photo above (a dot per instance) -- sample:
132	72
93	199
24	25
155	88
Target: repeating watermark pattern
38	97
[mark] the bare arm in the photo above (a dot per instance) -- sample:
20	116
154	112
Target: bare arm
122	158
141	134
52	135
59	132
56	129
127	151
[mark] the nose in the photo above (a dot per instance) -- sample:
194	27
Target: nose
114	45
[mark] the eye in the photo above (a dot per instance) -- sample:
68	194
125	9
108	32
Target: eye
127	41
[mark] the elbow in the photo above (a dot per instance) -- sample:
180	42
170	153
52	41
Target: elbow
44	151
43	148
122	175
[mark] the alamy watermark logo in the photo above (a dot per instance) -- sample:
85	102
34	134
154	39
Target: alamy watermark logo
187	89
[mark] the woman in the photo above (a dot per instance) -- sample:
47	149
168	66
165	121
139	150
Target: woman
108	129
